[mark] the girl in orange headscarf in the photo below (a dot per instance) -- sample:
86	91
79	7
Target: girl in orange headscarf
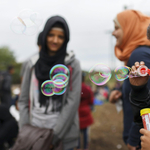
131	45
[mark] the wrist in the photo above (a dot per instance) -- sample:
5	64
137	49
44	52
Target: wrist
139	92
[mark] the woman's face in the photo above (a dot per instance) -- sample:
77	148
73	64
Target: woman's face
55	40
118	33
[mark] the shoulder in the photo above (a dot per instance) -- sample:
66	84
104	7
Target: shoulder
141	50
141	53
33	59
70	59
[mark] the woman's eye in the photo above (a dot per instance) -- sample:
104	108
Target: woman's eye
61	37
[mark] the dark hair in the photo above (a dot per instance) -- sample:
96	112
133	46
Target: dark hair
10	67
148	32
58	25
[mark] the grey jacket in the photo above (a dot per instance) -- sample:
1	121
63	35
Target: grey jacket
67	126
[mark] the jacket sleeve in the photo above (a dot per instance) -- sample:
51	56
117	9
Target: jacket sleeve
70	107
24	97
139	99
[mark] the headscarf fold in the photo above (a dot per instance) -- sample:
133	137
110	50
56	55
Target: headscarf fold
134	25
46	62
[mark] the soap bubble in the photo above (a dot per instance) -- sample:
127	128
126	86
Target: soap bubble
121	73
27	22
47	88
100	74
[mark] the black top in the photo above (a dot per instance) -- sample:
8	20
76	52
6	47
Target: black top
140	99
131	133
4	114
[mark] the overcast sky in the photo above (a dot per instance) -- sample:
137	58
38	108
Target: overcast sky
90	23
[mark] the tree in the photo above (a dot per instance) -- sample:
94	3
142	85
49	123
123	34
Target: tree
7	57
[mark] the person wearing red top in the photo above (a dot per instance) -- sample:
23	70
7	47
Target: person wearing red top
85	116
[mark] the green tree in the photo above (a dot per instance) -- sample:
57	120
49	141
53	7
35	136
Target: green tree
7	57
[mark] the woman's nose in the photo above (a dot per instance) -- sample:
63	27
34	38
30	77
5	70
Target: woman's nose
55	40
113	33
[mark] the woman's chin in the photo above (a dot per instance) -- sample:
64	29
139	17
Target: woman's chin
118	44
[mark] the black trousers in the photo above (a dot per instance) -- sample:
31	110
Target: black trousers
8	132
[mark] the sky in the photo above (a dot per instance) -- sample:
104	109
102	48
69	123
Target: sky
90	23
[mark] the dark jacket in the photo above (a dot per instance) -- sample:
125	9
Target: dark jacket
6	89
131	133
140	99
8	126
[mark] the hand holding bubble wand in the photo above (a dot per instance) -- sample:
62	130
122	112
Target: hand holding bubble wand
142	78
141	74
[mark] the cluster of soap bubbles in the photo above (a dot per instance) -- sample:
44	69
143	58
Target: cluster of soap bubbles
27	22
100	73
59	78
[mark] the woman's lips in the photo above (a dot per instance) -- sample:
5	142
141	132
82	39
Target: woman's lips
53	45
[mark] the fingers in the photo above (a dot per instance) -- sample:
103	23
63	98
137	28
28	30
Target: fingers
133	68
119	94
142	63
114	96
143	131
136	66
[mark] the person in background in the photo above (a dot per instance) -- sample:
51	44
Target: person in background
6	86
131	45
85	116
32	58
14	110
8	127
57	112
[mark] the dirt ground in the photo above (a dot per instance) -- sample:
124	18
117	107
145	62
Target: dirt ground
106	132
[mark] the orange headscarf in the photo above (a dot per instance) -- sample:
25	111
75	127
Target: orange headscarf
134	25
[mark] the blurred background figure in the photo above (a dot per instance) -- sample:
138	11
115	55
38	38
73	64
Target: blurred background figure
85	115
8	128
14	110
131	45
5	89
102	93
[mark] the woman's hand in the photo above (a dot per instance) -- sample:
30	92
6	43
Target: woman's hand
145	139
137	81
114	96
